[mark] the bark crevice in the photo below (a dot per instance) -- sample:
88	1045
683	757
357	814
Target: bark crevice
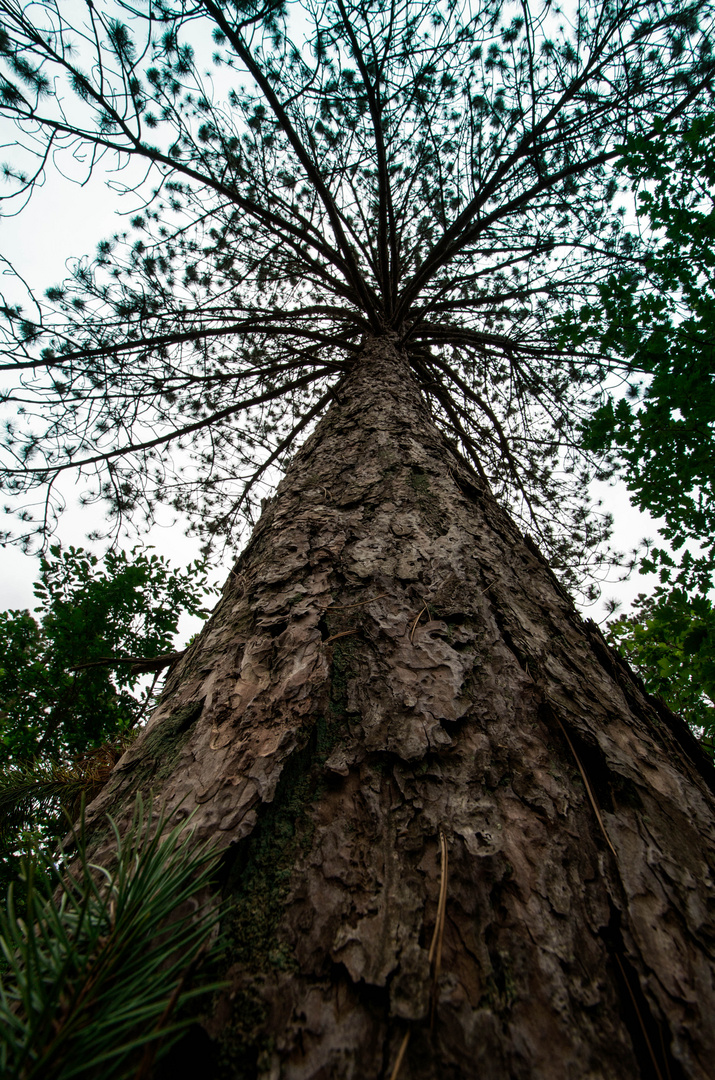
648	1035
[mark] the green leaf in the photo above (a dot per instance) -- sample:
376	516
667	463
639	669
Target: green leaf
669	641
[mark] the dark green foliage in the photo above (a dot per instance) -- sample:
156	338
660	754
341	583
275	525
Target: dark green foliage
38	797
63	726
97	963
670	640
445	174
124	605
660	422
660	318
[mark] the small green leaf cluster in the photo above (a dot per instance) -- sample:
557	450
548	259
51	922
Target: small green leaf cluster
661	320
91	610
66	711
669	639
101	961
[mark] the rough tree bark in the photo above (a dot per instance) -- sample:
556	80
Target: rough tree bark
392	662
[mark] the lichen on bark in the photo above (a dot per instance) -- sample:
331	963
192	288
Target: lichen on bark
391	658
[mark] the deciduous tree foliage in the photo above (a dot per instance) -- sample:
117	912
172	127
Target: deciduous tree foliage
459	840
661	422
659	318
60	691
669	638
70	694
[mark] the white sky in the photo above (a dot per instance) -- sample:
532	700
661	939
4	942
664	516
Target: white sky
64	221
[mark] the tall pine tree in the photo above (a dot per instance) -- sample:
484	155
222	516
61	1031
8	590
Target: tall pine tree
459	838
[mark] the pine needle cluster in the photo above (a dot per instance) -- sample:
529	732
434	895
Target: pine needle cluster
100	961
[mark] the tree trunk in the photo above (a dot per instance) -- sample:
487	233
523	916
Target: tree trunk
394	698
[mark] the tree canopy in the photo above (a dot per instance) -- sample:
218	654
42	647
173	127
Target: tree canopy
669	638
71	696
660	318
308	177
60	693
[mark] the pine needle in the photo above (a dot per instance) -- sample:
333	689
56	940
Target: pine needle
591	796
32	792
98	965
343	633
400	1055
417	619
435	950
